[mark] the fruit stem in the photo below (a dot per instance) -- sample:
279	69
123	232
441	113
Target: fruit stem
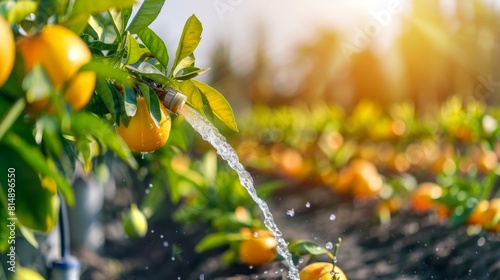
335	275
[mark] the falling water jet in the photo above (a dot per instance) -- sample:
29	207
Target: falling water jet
210	134
174	102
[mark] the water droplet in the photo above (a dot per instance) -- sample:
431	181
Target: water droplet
329	245
147	191
173	258
265	272
165	244
318	248
150	185
251	266
290	212
481	241
143	154
333	217
308	204
152	231
202	277
255	234
146	268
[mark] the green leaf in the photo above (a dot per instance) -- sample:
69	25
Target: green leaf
85	7
94	28
155	44
189	72
193	94
104	92
154	108
190	38
28	235
33	156
11	116
219	105
86	124
21	10
119	22
188	61
212	241
147	13
96	105
37	84
308	248
130	102
46	9
133	50
106	71
147	70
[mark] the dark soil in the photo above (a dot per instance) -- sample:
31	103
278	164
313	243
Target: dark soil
411	247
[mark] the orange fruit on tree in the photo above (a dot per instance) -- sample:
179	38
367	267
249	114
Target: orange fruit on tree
321	271
423	199
61	53
7	50
142	133
258	249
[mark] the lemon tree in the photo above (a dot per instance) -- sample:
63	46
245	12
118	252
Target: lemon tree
71	72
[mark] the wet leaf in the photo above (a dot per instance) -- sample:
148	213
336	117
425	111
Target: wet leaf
308	248
212	241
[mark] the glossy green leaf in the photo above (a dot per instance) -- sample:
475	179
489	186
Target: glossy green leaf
308	248
219	105
189	72
155	44
130	102
188	61
212	241
147	70
190	38
119	22
147	13
106	95
20	10
94	28
133	50
85	7
154	108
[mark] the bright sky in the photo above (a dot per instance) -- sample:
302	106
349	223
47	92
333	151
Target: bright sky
234	21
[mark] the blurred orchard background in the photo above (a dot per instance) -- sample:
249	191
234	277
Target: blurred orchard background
373	121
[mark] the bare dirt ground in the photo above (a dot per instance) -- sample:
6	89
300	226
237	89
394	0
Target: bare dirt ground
411	247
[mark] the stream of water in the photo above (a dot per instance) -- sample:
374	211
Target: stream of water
210	134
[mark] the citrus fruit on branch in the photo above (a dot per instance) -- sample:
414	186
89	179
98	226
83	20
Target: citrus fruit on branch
7	50
61	53
142	133
322	271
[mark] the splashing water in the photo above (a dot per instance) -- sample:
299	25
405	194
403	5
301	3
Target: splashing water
210	134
